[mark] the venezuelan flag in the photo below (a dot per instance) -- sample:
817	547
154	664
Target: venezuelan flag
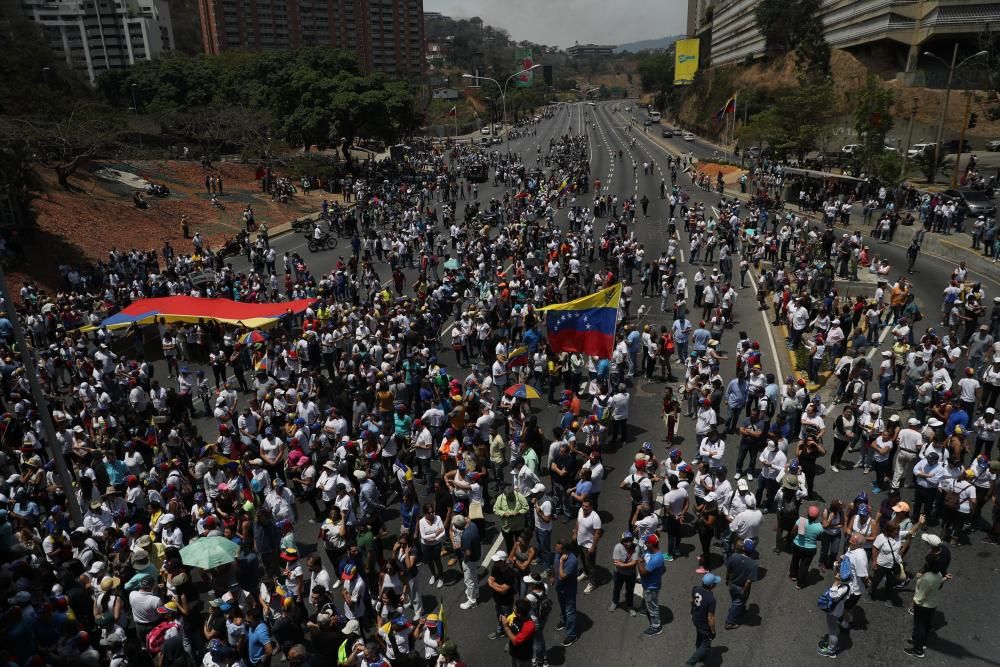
518	357
586	324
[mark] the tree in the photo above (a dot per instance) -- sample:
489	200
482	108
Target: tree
64	144
776	20
872	118
793	123
795	25
812	53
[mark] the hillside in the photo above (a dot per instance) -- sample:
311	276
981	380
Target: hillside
642	45
756	84
83	225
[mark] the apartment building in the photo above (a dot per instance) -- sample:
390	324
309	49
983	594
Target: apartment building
94	36
386	35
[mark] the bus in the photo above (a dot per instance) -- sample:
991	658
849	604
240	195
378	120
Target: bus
654	116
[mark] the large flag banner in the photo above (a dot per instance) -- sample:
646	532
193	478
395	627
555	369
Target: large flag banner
685	61
192	309
522	61
586	324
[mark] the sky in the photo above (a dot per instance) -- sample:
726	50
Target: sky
563	22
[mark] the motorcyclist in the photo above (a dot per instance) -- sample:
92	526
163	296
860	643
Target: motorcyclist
318	233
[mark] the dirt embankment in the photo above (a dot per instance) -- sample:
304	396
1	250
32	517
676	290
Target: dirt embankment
83	225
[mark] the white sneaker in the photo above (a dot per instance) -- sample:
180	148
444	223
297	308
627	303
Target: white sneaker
589	589
468	604
336	584
440	583
834	469
581	576
433	581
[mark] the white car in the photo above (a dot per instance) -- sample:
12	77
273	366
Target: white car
485	129
918	149
850	148
993	145
688	136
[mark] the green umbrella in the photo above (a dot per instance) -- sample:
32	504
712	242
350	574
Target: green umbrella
209	552
452	265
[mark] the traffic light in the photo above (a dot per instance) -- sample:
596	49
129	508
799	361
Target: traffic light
973	118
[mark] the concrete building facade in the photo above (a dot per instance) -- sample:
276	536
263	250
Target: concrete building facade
386	35
94	36
900	27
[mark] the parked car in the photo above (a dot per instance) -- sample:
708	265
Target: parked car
667	133
485	130
646	122
993	145
850	149
973	202
688	136
918	149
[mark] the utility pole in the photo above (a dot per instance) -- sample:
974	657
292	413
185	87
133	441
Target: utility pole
944	111
909	137
42	405
961	140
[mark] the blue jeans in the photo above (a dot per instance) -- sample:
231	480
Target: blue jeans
738	604
702	646
544	540
652	598
567	613
883	386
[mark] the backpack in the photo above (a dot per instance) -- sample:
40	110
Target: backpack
636	490
788	507
825	601
846	568
952	499
158	635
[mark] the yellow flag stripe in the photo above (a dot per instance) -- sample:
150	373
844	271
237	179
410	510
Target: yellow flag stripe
606	298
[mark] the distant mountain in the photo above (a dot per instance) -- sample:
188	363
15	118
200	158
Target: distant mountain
658	43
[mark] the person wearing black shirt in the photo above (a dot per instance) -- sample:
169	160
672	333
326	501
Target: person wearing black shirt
503	583
563	467
703	617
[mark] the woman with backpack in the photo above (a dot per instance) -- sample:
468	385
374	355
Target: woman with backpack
832	602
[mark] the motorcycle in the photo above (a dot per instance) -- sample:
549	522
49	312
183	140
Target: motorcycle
328	242
302	226
157	190
233	247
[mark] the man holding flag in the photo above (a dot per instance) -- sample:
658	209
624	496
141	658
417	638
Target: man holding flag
586	325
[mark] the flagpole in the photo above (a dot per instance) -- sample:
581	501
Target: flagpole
736	100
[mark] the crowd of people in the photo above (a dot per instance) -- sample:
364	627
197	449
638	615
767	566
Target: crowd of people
400	392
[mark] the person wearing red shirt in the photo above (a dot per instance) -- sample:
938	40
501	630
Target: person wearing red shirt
520	631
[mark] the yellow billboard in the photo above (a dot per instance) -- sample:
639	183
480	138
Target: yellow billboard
685	61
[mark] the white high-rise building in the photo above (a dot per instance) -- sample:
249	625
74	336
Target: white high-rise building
94	36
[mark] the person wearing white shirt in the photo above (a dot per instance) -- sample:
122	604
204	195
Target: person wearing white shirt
909	442
772	464
712	448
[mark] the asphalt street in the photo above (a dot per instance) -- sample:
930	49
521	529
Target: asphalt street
782	625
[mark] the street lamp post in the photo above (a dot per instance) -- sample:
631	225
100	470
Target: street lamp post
503	94
45	75
952	68
135	108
